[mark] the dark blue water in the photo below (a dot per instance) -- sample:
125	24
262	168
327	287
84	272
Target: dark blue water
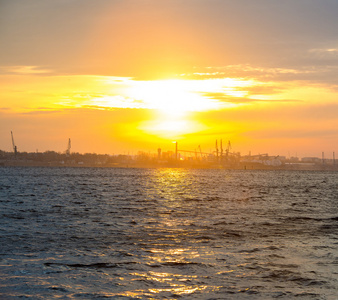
91	233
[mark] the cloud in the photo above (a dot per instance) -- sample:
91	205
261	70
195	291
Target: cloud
248	71
42	111
325	53
265	89
293	134
224	97
24	70
81	37
320	68
112	102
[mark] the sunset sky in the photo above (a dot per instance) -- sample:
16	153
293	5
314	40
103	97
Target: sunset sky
118	76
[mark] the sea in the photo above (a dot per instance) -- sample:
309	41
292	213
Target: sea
171	233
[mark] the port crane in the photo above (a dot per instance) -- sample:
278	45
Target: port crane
68	147
221	150
227	151
15	149
189	151
261	155
199	147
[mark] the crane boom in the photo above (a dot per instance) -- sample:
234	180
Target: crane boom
14	146
221	150
12	140
228	148
199	147
68	148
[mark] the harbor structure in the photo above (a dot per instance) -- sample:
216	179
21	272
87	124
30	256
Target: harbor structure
15	149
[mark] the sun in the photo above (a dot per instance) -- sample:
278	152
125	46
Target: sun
175	102
170	127
171	97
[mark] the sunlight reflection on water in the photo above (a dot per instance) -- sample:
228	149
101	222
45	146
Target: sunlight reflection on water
167	233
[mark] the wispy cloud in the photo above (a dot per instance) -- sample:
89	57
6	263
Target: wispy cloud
223	97
293	134
244	71
42	111
321	68
325	52
265	89
25	70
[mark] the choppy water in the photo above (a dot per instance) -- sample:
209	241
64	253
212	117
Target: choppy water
86	233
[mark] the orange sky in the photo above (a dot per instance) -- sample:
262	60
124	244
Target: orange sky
122	76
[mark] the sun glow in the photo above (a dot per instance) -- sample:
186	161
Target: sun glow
174	102
172	97
171	127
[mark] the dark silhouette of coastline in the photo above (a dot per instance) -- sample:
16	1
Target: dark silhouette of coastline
170	160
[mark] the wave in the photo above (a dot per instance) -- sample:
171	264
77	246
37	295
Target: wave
93	265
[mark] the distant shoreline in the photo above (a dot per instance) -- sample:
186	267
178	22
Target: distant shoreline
154	165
